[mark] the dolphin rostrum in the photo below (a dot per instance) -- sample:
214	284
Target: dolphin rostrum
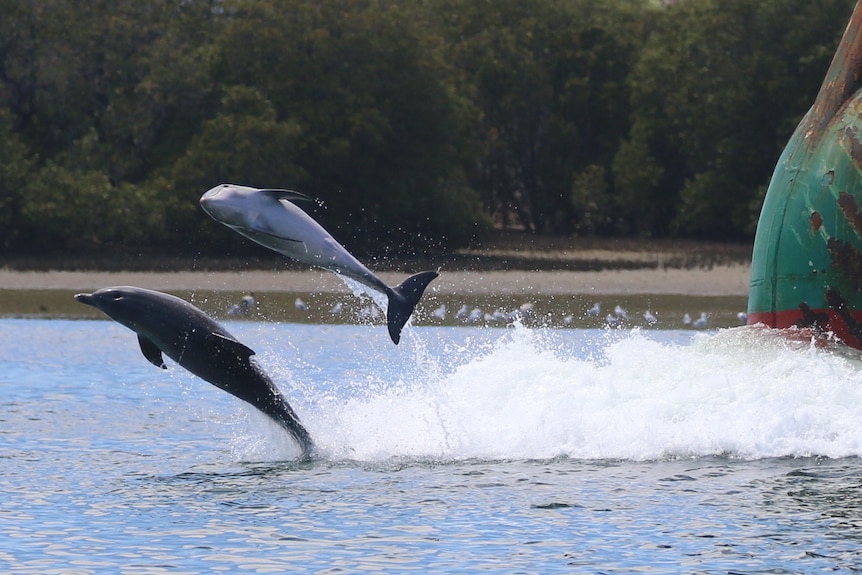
170	325
269	218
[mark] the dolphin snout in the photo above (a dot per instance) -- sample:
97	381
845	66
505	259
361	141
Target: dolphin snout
223	204
210	201
85	298
213	193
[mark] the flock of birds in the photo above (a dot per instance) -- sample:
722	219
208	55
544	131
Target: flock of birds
620	316
476	316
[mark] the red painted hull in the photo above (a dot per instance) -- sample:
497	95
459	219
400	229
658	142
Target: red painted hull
831	323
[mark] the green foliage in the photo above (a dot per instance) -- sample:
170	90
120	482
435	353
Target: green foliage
637	175
244	143
15	168
415	123
549	79
590	201
74	209
718	88
378	127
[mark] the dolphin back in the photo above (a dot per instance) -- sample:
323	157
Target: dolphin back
403	299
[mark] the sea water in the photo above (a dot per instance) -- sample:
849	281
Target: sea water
503	450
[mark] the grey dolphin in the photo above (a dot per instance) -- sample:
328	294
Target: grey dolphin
170	325
269	218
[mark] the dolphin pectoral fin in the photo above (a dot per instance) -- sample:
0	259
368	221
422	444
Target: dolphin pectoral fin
261	226
403	299
286	195
151	352
239	348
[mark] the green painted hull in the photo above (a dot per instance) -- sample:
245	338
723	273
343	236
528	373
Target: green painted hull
807	259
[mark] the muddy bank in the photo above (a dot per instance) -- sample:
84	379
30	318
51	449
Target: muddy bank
718	281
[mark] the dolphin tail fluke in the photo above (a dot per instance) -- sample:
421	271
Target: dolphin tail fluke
403	299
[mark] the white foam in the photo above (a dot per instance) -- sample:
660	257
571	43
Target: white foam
744	392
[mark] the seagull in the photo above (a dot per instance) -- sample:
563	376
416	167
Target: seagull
475	315
650	318
568	319
612	320
620	312
243	307
369	312
462	313
440	312
743	317
686	319
336	309
300	305
500	315
595	310
700	322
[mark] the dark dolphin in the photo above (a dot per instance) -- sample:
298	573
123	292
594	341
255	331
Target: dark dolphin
170	325
270	218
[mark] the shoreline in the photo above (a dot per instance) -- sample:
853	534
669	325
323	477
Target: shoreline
725	280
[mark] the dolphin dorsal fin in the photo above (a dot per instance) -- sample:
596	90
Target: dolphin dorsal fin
238	347
286	195
151	352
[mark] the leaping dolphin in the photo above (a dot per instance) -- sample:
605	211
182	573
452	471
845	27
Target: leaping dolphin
269	218
170	325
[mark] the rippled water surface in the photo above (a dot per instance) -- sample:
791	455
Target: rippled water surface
461	450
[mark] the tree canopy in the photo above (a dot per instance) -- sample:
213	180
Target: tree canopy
417	124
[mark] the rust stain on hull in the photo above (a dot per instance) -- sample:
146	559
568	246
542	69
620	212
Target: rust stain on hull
816	221
837	302
840	323
848	205
847	260
842	80
854	146
819	321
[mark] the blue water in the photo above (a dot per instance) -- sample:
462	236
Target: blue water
461	450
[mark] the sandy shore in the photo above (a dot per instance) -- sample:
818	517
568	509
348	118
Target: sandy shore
718	281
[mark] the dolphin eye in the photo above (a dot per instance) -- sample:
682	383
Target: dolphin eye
116	296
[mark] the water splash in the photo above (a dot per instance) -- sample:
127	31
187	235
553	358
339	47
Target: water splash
534	394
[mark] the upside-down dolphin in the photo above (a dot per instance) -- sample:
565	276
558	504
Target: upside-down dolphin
170	325
269	218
